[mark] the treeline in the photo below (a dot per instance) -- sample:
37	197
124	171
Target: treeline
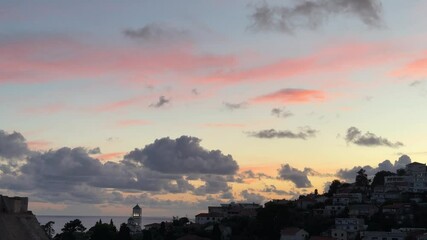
74	230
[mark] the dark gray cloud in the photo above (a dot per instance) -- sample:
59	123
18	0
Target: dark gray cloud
304	133
368	139
182	155
249	174
311	14
273	189
386	165
213	184
96	150
235	106
227	195
161	102
165	166
252	197
281	113
298	177
12	145
156	33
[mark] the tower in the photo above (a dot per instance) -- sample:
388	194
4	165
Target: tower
136	214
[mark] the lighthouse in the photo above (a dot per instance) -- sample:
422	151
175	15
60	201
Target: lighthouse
136	214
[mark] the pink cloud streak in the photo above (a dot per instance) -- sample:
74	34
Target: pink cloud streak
52	59
291	95
417	68
342	58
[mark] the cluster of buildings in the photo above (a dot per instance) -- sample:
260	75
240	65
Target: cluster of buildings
352	208
217	213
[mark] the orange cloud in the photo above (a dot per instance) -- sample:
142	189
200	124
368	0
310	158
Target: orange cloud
291	95
111	156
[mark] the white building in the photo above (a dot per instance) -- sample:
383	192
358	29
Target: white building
293	233
213	217
346	198
379	235
134	222
333	210
351	226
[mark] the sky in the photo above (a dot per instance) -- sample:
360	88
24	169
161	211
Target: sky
178	105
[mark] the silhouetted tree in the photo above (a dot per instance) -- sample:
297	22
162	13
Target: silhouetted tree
124	232
216	232
48	229
73	226
72	230
333	188
103	231
146	235
183	220
379	178
362	178
401	172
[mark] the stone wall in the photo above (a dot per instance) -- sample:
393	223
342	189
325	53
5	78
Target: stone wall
16	222
13	204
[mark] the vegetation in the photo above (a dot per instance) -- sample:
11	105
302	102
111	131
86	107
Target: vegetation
48	229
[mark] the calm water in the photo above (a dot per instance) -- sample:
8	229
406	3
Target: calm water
89	221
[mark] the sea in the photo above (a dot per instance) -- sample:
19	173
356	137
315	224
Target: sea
89	221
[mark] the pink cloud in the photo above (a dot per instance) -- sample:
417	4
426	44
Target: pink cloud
132	122
54	59
39	145
111	156
344	58
117	105
292	95
417	68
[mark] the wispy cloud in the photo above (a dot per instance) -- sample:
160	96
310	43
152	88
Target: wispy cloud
303	133
414	69
311	14
156	32
235	106
68	59
281	112
291	95
161	102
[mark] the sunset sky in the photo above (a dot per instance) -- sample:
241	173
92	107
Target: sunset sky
177	105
